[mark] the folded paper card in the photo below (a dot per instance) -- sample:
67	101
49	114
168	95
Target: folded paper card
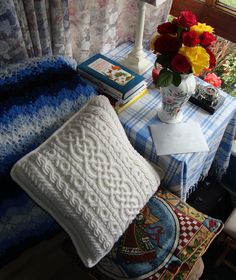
178	138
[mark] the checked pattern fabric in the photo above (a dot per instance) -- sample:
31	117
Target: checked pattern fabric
182	171
188	228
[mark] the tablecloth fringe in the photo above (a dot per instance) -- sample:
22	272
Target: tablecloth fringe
217	171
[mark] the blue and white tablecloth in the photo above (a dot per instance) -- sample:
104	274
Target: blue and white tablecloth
182	171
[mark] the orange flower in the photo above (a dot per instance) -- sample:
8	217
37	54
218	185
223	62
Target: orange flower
114	67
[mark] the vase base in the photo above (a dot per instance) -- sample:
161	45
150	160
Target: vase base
166	118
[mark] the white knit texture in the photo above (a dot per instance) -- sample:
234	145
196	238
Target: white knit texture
89	178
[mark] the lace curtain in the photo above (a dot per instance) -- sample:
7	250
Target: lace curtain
75	28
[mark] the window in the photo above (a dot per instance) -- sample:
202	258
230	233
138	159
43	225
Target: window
220	14
230	4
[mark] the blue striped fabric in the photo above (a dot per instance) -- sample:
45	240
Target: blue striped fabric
182	171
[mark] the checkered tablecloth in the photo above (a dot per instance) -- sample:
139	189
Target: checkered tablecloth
182	171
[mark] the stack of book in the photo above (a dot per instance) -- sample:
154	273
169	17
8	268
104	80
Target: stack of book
113	79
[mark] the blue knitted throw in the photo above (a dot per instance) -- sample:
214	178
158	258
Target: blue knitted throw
36	98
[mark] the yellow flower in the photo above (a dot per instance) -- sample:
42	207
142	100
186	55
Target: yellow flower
197	57
201	27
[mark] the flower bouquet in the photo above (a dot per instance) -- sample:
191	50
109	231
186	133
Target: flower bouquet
182	46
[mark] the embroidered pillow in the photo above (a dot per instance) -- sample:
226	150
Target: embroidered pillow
165	241
89	178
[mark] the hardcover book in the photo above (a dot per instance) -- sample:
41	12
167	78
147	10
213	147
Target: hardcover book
119	107
131	96
111	76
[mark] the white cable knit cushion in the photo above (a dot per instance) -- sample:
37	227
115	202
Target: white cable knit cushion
89	178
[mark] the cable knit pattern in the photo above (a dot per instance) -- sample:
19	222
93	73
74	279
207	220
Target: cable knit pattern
89	178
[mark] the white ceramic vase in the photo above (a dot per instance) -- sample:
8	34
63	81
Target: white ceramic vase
174	98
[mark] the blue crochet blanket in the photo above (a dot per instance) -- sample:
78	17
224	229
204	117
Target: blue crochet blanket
36	98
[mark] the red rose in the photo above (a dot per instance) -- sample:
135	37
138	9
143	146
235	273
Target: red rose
167	44
175	21
191	38
207	38
167	27
187	19
212	58
180	64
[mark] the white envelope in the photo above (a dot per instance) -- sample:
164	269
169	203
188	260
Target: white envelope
178	138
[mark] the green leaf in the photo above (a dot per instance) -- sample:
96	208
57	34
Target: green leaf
189	250
179	33
165	78
176	79
196	242
164	60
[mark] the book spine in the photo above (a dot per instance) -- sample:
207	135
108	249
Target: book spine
123	101
107	92
101	86
121	107
110	90
136	88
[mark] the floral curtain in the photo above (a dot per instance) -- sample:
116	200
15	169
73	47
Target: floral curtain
76	28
